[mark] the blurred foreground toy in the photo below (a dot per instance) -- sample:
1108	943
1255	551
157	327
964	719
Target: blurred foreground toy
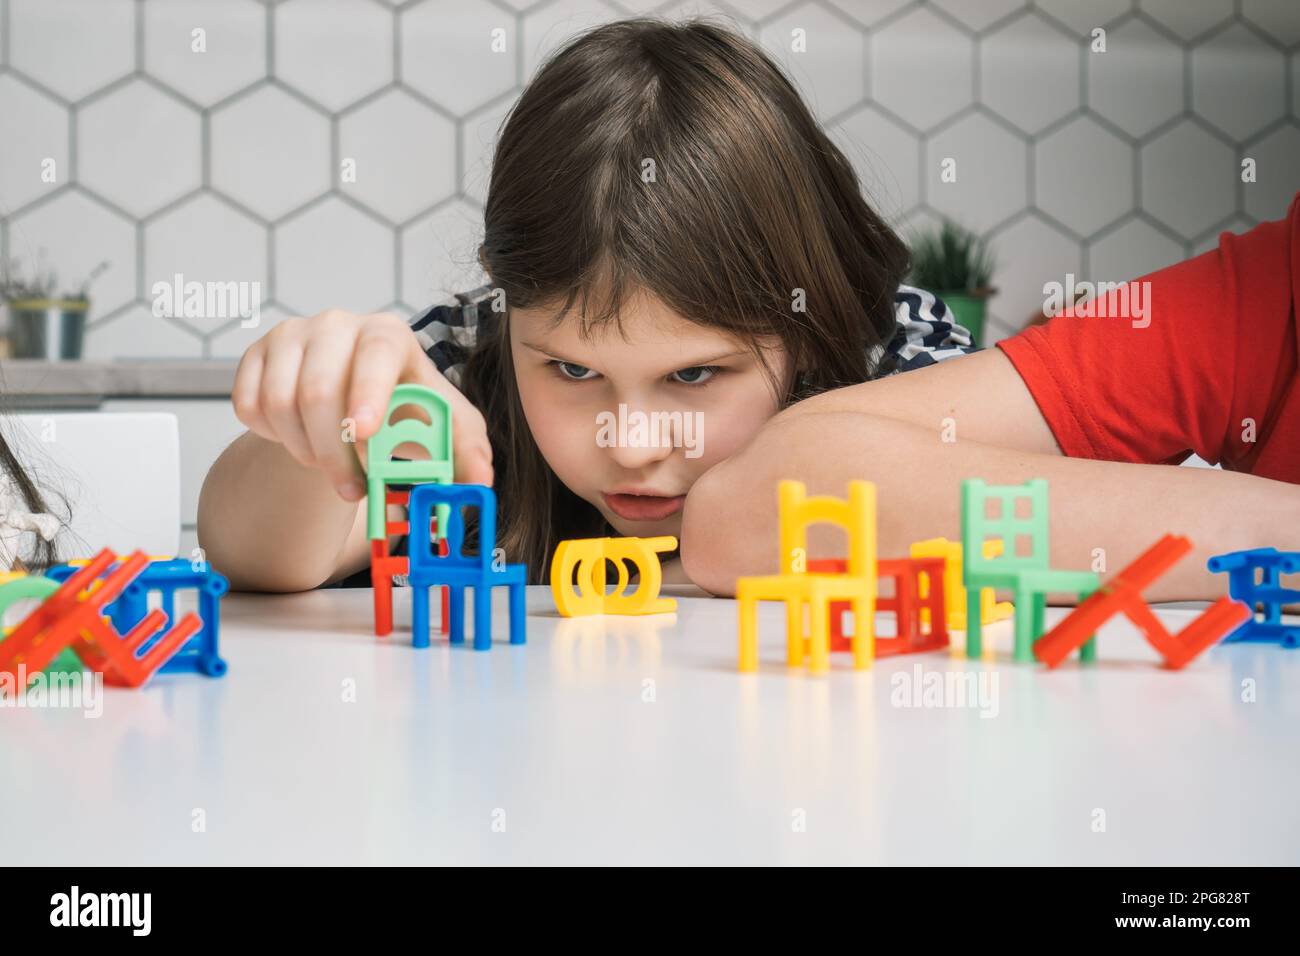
1028	575
1122	594
798	587
583	560
991	609
1253	579
456	570
164	577
918	599
73	616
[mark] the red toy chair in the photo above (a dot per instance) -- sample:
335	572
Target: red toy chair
914	632
384	565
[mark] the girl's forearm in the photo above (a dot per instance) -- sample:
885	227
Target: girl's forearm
730	529
268	523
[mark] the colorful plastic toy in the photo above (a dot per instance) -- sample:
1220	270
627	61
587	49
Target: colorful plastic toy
1122	594
456	570
1253	580
433	436
34	587
165	576
919	595
1028	575
73	616
991	609
797	587
585	560
383	566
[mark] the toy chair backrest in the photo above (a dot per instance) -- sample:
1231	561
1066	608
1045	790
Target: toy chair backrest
856	515
424	498
978	529
434	436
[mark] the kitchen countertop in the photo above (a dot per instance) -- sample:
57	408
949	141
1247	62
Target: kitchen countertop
79	383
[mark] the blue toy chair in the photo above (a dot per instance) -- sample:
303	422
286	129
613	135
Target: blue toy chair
456	570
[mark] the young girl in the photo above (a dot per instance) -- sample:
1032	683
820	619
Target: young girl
667	230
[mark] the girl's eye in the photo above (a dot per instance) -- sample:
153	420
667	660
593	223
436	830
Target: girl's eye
695	375
575	373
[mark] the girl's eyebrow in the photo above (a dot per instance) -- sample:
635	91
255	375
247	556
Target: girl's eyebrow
691	364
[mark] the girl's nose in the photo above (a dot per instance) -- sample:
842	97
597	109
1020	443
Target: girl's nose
635	438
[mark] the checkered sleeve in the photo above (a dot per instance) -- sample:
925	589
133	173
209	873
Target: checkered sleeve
926	331
448	332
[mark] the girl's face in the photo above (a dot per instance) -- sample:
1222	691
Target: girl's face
630	424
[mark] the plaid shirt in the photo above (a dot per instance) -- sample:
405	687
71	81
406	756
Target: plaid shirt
924	333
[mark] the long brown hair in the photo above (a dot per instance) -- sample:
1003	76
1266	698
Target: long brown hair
678	159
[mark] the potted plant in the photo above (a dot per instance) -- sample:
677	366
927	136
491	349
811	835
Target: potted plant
42	323
957	266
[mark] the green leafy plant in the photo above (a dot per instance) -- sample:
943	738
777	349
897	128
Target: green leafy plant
15	287
952	259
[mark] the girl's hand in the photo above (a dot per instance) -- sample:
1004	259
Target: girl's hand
301	382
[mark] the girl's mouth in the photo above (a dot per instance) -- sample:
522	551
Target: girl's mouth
643	507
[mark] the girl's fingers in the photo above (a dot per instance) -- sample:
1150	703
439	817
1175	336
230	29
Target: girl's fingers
378	361
322	393
278	398
244	394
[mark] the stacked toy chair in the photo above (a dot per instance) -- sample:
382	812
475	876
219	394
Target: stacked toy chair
798	587
991	609
434	437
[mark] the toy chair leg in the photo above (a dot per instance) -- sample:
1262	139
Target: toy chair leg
446	610
1024	643
819	639
457	600
794	635
383	586
974	636
864	634
1088	653
517	631
748	633
482	617
419	616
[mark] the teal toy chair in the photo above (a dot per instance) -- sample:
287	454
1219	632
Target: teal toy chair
1028	575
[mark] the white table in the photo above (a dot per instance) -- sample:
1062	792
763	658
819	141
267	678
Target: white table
635	740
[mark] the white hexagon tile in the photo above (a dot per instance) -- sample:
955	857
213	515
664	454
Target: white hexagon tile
338	152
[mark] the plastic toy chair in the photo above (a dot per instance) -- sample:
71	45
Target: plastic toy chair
434	437
384	565
165	576
797	586
1028	575
73	616
918	599
1253	579
588	557
991	609
1122	594
457	570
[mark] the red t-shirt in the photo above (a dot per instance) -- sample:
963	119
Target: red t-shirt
1220	352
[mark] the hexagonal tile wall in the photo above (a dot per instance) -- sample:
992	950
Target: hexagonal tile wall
337	152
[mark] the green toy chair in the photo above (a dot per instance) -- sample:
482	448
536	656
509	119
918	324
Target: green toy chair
1026	574
434	437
